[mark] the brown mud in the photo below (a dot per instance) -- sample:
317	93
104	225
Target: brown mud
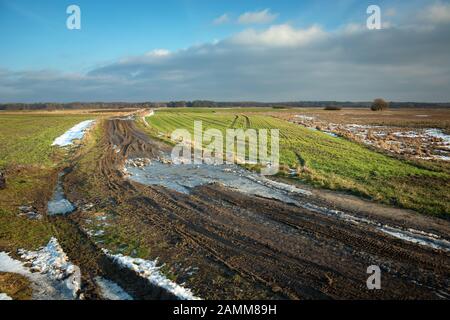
242	247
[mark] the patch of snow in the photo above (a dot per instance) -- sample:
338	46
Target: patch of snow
111	290
443	158
418	237
59	204
331	134
116	149
51	275
62	206
8	264
407	134
138	162
4	296
76	132
53	261
148	269
278	185
437	133
94	233
362	126
307	118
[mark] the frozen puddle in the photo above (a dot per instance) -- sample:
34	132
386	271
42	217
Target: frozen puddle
59	204
111	290
75	133
184	177
52	275
148	269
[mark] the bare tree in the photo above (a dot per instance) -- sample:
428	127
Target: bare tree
379	105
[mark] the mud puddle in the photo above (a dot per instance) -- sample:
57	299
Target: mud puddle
184	177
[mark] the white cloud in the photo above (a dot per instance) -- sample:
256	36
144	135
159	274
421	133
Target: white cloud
353	28
158	53
437	13
257	17
222	19
279	36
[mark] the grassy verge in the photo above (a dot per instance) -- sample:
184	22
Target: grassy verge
328	162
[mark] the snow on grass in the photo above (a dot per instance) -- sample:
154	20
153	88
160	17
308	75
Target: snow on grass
8	264
4	296
111	290
51	275
303	117
76	132
148	269
52	261
438	133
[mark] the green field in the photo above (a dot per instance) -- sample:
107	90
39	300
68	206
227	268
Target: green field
30	163
26	138
325	161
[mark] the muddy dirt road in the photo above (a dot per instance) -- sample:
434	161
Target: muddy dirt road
244	246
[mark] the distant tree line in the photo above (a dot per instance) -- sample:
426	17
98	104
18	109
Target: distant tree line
329	105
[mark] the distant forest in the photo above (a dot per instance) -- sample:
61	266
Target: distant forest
208	104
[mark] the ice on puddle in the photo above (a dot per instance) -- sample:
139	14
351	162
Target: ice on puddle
62	206
184	177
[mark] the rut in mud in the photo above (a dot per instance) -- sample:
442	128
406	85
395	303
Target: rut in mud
262	247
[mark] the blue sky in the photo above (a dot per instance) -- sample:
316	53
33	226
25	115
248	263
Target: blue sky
34	36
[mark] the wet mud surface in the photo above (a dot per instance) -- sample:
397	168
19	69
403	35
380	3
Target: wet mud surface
246	245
